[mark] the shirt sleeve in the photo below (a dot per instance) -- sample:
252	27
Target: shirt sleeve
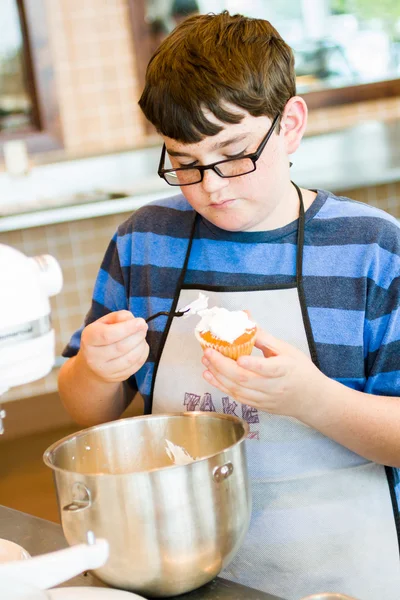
382	339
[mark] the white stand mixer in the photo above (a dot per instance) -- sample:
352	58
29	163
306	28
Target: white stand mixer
26	336
27	353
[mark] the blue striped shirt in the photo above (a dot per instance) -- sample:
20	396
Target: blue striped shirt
351	269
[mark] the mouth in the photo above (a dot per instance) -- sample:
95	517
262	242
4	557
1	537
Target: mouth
223	203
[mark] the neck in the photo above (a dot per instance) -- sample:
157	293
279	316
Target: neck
286	209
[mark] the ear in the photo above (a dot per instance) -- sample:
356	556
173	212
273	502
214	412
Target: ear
293	123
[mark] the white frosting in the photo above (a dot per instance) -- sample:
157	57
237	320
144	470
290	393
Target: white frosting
196	306
177	454
226	325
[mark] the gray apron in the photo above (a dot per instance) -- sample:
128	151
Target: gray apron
323	517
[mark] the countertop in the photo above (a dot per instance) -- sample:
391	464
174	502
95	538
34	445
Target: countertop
360	156
38	536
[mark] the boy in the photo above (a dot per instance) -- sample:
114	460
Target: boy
319	273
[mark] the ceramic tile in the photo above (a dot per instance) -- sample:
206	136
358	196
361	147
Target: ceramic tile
93	51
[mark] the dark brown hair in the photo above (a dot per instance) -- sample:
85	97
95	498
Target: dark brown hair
209	61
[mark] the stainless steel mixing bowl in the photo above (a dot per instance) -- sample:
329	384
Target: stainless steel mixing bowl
171	528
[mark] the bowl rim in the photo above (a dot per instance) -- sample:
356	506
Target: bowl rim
120	422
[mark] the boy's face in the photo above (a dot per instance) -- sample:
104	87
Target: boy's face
251	202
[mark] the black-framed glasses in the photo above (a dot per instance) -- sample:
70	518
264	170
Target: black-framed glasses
231	167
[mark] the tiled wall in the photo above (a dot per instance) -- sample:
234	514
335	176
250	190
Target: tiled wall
384	196
79	247
339	117
95	69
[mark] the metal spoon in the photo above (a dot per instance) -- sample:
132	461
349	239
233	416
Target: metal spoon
179	313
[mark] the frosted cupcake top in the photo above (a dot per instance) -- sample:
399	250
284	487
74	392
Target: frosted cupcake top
226	325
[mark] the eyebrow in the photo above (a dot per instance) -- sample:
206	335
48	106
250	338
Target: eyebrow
216	146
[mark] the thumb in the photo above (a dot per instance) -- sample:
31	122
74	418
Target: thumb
270	345
117	316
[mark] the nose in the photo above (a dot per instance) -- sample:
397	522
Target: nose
213	182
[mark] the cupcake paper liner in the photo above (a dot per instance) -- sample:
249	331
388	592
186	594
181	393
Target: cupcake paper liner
232	351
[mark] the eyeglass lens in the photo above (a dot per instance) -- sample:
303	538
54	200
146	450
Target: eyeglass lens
231	168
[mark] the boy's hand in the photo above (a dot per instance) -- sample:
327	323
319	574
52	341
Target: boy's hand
284	381
114	347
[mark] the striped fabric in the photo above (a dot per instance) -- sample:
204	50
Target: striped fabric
351	278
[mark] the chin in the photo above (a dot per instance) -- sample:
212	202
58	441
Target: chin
233	227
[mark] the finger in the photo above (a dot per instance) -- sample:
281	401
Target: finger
264	377
272	368
215	361
104	334
230	375
117	316
123	346
244	396
212	379
235	389
272	346
130	363
226	367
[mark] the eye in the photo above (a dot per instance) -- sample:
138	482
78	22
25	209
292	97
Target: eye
238	155
187	166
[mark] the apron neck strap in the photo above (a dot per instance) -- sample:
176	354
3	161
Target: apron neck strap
183	270
172	310
300	237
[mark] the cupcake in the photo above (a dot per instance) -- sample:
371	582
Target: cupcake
231	332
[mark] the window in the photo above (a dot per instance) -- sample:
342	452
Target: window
345	50
28	108
16	103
